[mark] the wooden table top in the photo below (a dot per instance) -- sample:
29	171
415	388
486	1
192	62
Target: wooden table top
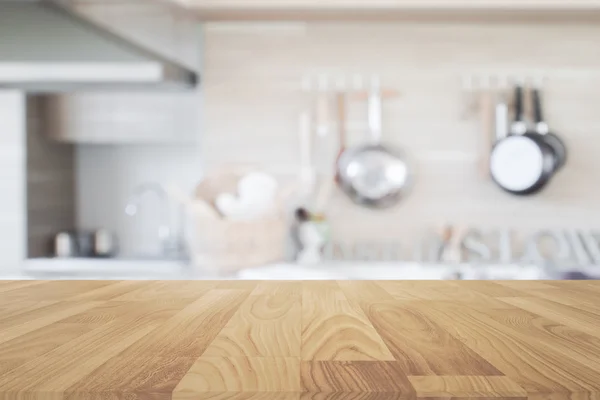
372	340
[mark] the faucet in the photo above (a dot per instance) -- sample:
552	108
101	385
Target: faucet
171	239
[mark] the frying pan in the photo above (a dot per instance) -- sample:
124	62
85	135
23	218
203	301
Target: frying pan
554	141
374	175
523	162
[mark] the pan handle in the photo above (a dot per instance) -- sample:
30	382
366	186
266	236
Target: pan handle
501	118
375	110
519	126
540	125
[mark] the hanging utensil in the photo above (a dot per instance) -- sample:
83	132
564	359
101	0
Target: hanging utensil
307	170
486	104
341	116
554	141
522	163
374	175
501	118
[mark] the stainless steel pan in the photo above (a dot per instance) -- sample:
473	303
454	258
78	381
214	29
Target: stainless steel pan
374	175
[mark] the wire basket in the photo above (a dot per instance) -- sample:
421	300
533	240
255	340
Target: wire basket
222	246
228	246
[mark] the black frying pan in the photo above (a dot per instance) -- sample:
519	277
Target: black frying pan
554	141
523	162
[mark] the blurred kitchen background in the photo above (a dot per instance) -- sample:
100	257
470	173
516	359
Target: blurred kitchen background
202	86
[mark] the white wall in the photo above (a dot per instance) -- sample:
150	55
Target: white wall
13	125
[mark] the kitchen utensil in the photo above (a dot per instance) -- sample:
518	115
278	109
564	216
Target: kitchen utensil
64	245
307	170
85	244
374	175
105	243
501	118
554	141
522	163
341	117
486	104
322	107
454	249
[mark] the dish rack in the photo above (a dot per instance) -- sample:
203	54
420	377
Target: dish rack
222	246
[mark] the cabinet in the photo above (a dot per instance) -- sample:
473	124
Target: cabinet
123	117
148	116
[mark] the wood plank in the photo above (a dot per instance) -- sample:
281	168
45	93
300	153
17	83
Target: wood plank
109	292
580	298
364	293
448	291
51	291
421	346
143	312
237	396
57	370
492	289
41	341
11	311
355	376
132	377
528	285
189	332
573	317
6	286
333	329
167	289
240	374
290	288
356	396
535	368
266	325
467	386
39	318
537	330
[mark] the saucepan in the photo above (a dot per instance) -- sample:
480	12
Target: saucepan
374	175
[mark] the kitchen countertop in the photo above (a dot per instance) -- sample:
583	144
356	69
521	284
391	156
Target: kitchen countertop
299	340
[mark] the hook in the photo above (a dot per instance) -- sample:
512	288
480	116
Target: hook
486	82
340	82
539	80
358	82
467	83
307	83
503	82
323	82
376	82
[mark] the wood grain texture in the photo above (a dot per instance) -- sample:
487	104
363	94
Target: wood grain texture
265	325
334	329
457	386
299	340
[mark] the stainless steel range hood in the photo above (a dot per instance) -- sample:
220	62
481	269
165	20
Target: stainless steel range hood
45	47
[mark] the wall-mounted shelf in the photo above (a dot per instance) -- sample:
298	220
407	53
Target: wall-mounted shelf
385	9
